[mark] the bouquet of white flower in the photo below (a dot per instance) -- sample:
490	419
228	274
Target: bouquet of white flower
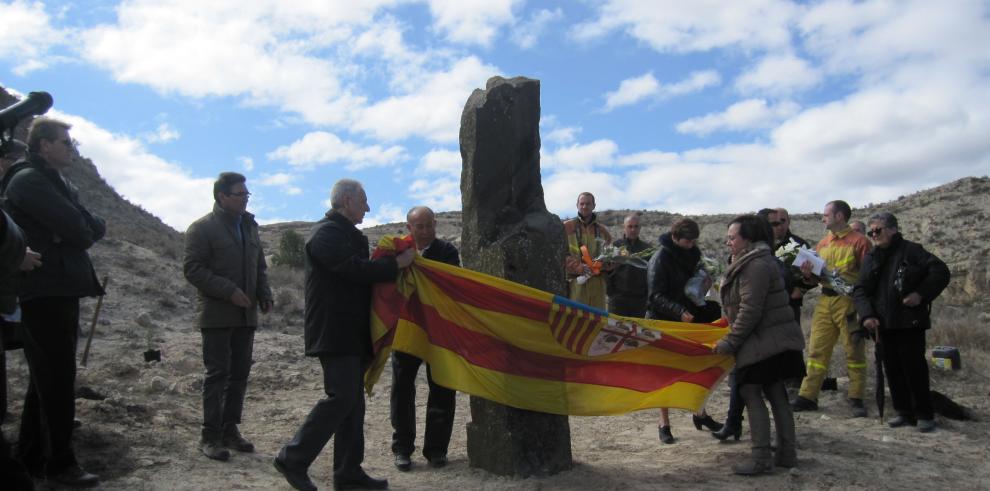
829	278
609	254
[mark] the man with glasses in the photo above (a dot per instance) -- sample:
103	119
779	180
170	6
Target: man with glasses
225	262
835	316
894	295
46	206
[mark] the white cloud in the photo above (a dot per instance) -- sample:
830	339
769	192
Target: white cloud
599	153
561	189
265	51
701	25
646	86
744	115
27	35
283	181
471	21
779	74
442	161
527	33
163	134
380	215
321	147
246	162
439	194
433	111
163	188
552	132
632	90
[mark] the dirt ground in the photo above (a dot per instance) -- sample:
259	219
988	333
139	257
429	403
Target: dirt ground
144	434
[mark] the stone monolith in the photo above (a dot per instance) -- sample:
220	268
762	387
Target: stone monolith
508	232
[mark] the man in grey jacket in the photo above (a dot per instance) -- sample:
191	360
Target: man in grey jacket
226	263
46	206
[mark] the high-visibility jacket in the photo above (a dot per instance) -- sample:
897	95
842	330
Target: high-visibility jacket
593	236
844	251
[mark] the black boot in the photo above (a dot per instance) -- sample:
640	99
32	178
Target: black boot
665	435
705	421
211	446
232	439
730	429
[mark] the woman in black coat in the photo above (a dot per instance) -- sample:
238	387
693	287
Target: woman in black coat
675	262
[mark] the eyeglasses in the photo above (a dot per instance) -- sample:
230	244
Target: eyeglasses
874	231
240	194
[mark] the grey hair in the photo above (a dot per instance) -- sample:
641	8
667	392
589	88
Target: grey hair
341	190
886	218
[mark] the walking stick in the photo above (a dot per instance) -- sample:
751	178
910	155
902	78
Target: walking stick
92	325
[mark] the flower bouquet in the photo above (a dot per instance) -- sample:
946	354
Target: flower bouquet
828	278
609	254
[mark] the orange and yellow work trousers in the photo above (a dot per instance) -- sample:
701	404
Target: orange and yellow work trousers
834	317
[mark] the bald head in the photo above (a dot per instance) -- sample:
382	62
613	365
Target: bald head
630	226
422	225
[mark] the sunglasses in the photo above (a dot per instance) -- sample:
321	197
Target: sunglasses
874	231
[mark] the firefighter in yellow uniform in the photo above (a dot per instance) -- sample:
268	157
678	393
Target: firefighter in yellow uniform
843	250
585	231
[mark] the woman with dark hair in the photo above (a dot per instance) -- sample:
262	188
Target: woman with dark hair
765	340
675	262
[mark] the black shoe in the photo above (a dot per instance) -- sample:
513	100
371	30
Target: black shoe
801	404
705	421
926	425
753	468
900	420
403	462
296	479
75	477
858	408
729	429
363	482
212	449
830	383
665	435
438	461
232	439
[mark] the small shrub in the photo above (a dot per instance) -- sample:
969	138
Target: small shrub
290	250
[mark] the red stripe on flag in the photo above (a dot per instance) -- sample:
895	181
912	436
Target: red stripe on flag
558	314
493	354
586	320
579	347
479	295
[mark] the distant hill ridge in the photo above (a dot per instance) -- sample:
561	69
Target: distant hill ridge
950	220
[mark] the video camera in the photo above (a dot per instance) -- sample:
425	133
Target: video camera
35	104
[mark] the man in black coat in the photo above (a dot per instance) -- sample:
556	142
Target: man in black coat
339	279
46	206
626	285
422	225
897	283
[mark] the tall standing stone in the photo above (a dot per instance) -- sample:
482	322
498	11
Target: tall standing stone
508	232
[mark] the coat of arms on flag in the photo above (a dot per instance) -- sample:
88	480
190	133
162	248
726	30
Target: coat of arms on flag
589	331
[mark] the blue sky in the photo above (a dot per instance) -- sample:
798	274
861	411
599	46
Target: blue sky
689	107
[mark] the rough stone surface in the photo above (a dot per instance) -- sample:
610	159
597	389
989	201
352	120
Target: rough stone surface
508	232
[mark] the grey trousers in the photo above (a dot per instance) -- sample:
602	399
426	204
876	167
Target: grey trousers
759	420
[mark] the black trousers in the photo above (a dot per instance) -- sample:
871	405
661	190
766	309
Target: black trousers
907	372
227	357
340	414
440	406
49	331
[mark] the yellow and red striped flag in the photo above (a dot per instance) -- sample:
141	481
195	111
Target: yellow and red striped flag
530	349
